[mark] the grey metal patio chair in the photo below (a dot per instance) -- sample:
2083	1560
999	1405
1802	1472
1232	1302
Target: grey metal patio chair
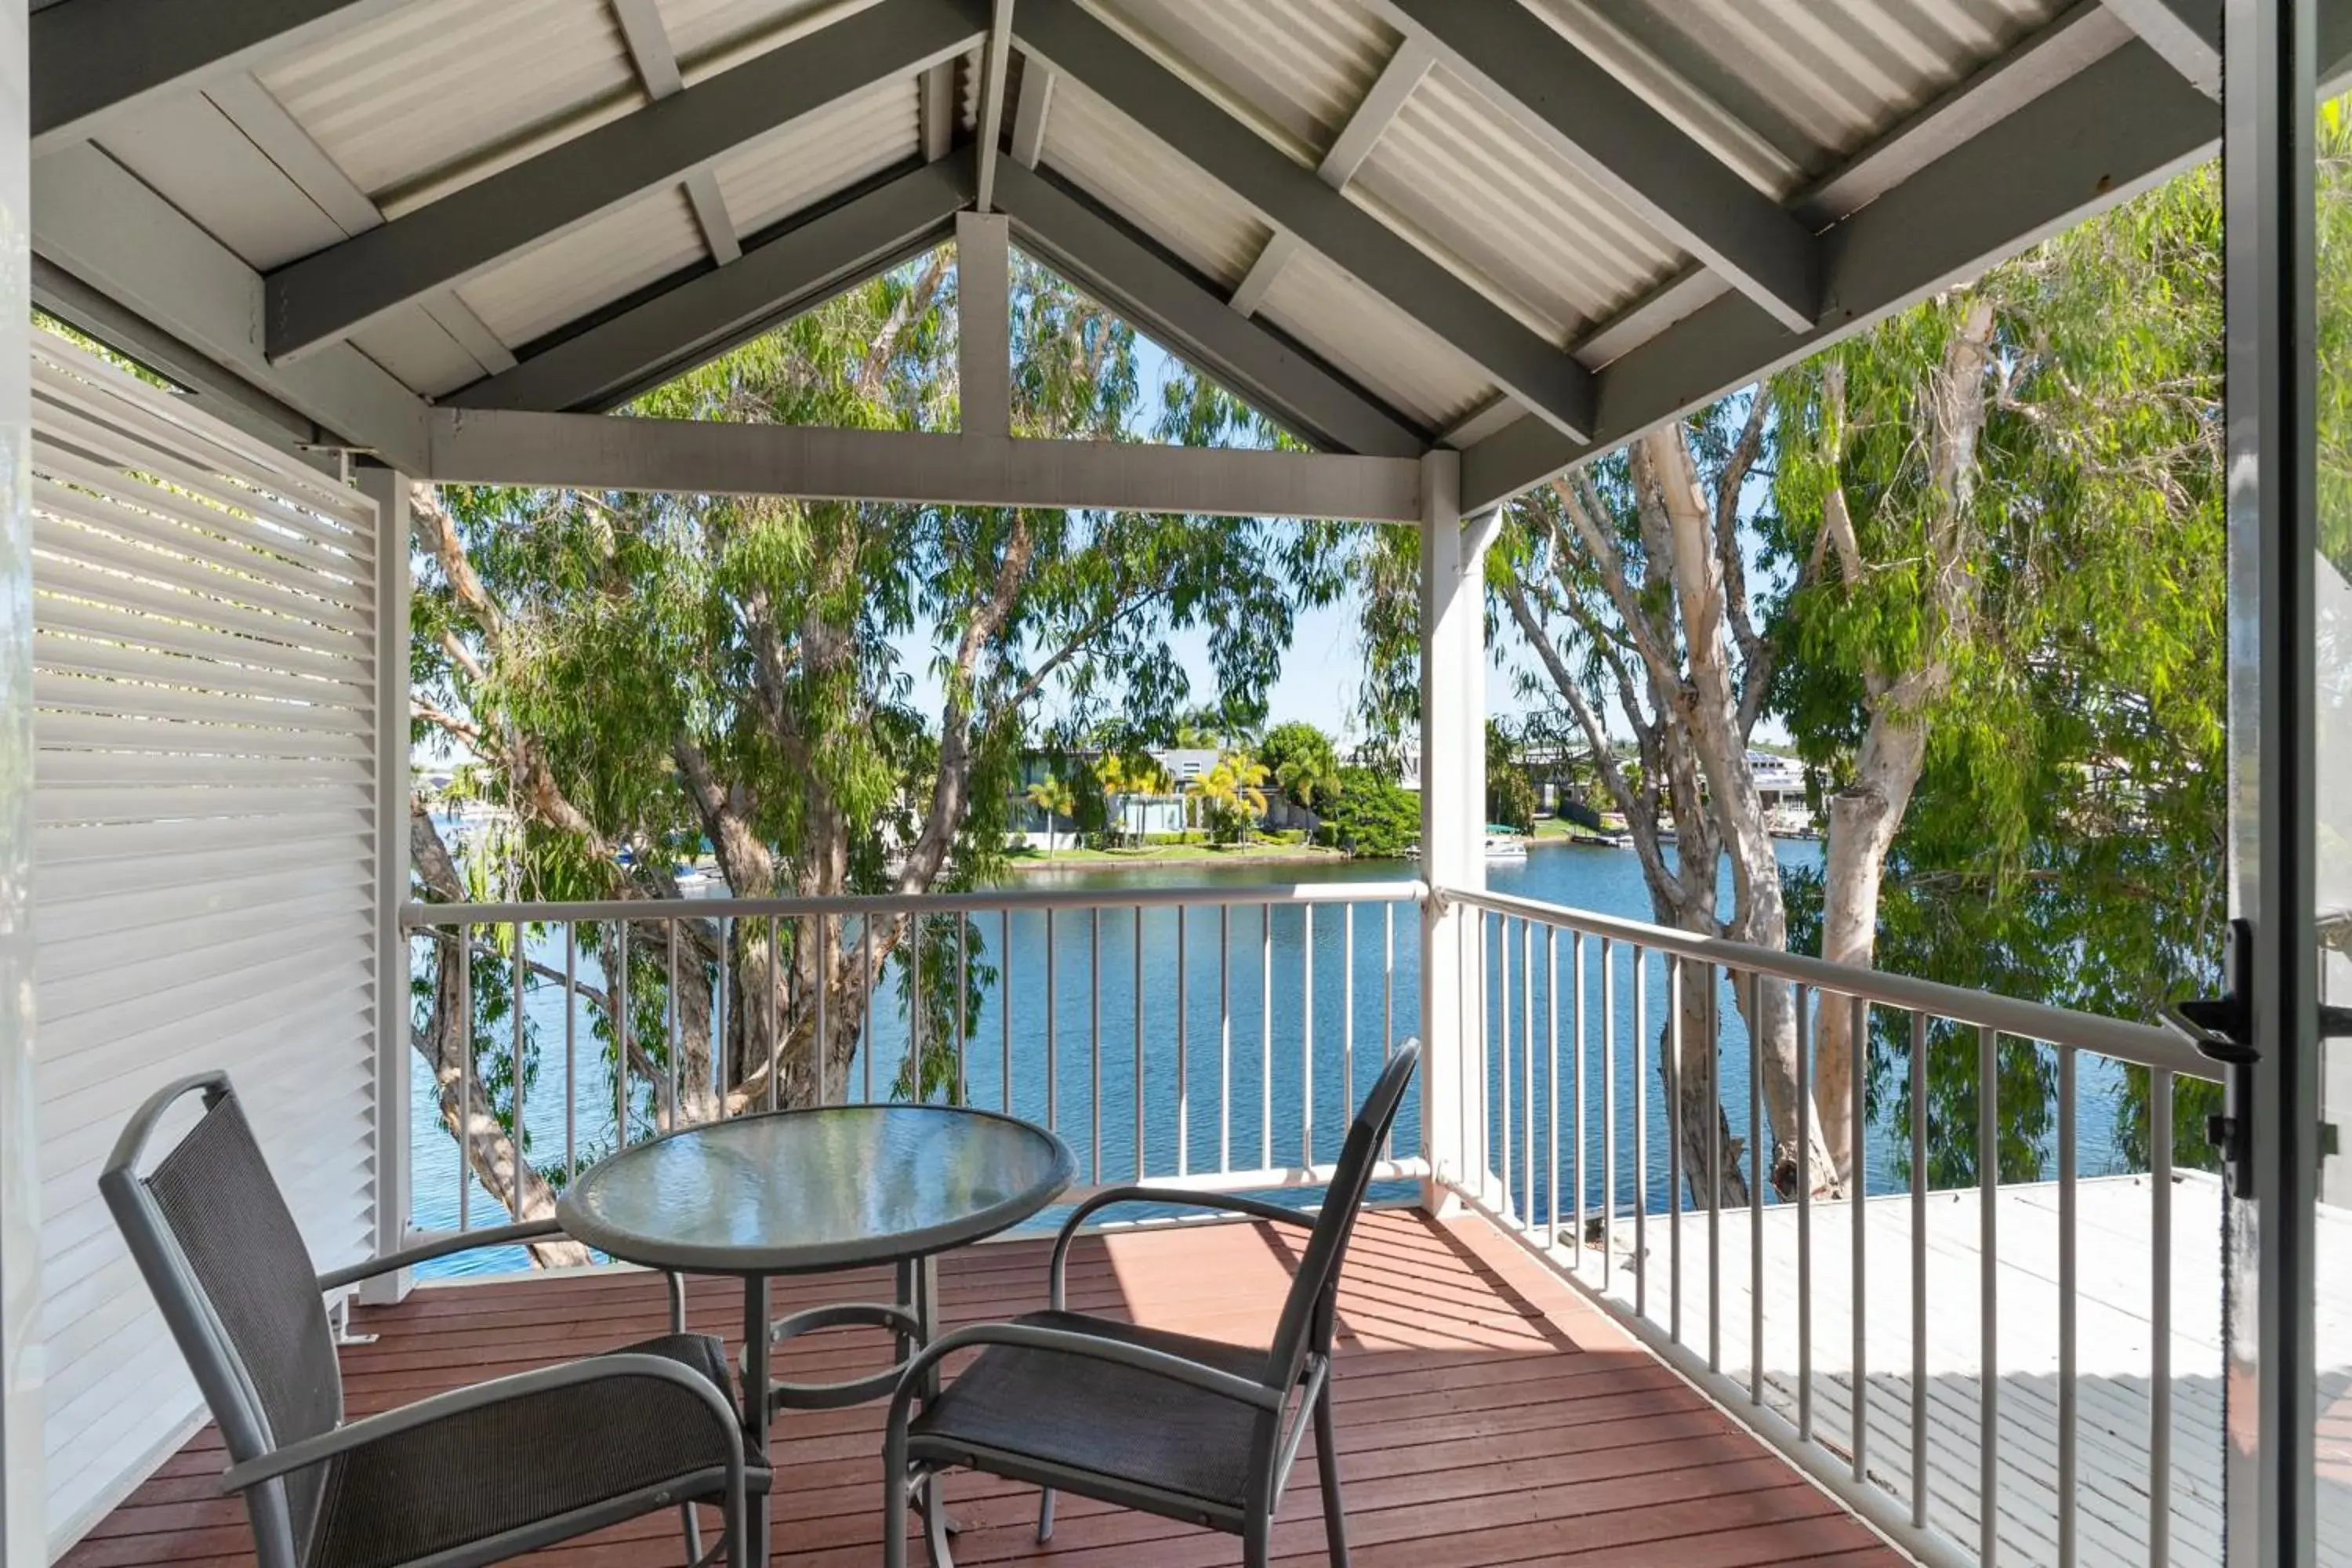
468	1477
1189	1428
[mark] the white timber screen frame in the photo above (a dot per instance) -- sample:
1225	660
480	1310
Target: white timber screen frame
205	889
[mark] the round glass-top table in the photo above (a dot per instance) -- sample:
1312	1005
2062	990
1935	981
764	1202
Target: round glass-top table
808	1192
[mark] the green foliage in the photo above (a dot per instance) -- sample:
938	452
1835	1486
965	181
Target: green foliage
1373	819
1305	764
1510	795
2066	839
1233	797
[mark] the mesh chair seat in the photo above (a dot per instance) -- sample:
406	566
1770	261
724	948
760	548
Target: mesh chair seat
1116	1421
507	1466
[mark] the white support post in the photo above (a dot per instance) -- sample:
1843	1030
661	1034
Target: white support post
984	323
1453	826
23	1497
389	490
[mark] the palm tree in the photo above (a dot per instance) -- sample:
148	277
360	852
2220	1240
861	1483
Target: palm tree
1234	792
1052	796
1126	778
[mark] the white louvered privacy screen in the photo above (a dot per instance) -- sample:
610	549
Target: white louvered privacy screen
204	887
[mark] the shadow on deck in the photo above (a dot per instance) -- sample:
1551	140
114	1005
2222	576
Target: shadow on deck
1488	1415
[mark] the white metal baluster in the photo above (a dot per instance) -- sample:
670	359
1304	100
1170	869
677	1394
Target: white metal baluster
1674	1146
1004	1009
1502	1009
962	997
1754	1197
2067	1404
522	1132
1989	1304
1804	1213
1347	1012
465	1072
1526	1074
1307	1038
2160	1379
821	1048
1183	1043
1713	1170
1858	1190
1094	1041
1551	1080
621	1031
1640	1136
1225	1036
915	1009
1576	1070
1470	1168
717	1085
1139	1039
1266	1036
1608	1108
1919	1270
868	1036
669	1028
571	1052
1388	999
1053	1042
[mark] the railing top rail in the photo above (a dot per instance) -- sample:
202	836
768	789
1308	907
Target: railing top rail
2140	1043
423	915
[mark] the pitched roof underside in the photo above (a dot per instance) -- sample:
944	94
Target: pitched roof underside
1528	229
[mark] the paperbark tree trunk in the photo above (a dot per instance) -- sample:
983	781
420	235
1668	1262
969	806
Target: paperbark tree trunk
1865	814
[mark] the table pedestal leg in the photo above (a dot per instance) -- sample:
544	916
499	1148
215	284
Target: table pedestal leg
755	1406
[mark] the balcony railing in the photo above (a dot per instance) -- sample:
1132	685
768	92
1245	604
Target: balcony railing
1202	1037
1214	1037
1858	1335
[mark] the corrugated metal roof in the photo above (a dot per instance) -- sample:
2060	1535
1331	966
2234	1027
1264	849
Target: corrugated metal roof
192	155
1136	175
1811	80
1297	69
428	98
809	160
1507	212
595	265
709	36
1396	358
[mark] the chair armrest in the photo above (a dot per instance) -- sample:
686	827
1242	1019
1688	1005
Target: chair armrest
1184	1197
353	1435
439	1247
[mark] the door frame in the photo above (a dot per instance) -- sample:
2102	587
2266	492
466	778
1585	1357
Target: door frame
2270	87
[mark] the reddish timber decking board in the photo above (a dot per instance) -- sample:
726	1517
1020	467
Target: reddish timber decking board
1488	1414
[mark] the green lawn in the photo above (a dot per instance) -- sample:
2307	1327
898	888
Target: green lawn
1155	854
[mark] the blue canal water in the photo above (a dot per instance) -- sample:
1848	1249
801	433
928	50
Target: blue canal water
1149	1067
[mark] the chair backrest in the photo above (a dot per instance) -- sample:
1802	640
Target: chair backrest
1305	1325
220	1250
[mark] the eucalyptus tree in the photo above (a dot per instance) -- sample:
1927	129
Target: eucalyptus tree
638	675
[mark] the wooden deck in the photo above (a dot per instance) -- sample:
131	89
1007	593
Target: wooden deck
1489	1415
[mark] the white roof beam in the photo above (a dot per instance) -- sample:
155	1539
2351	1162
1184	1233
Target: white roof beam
2186	33
1381	105
94	59
1029	114
935	111
592	451
1296	200
984	323
335	291
710	204
649	47
1165	301
780	276
95	221
995	62
2126	123
1571	103
1280	246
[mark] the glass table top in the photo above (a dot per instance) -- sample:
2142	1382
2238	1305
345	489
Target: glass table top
801	1190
